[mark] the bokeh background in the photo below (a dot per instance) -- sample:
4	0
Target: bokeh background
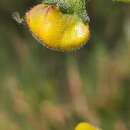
41	89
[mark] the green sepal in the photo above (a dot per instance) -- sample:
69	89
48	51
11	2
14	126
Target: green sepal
50	2
80	9
77	7
84	16
65	7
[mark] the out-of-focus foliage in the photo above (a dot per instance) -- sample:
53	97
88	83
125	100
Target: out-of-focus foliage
45	90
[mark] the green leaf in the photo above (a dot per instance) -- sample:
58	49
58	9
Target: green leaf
125	1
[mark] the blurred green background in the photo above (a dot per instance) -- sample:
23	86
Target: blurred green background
41	89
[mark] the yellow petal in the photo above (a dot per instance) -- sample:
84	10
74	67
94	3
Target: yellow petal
85	126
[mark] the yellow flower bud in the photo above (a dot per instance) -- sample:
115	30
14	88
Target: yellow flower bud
85	126
56	30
